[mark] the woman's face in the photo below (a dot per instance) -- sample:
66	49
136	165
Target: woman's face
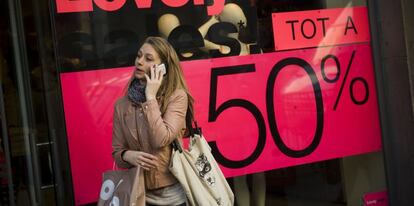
147	57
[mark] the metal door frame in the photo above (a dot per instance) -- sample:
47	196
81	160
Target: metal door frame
394	97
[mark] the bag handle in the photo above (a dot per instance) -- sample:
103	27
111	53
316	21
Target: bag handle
177	146
196	129
114	166
193	130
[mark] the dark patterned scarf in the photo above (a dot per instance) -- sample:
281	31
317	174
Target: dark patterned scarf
136	92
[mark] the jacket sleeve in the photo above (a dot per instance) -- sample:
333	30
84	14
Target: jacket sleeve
119	143
164	129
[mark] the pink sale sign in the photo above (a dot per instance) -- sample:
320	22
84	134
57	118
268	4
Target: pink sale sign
258	112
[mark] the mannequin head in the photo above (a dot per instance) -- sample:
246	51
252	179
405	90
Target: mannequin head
167	23
233	14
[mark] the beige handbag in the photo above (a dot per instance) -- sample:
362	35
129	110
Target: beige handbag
199	174
120	188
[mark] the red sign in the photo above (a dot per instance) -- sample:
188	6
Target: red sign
318	28
376	199
258	112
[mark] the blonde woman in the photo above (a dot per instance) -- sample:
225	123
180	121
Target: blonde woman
154	111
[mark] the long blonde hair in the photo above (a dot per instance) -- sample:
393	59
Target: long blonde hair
173	80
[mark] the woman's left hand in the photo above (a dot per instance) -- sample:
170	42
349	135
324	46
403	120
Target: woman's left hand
153	82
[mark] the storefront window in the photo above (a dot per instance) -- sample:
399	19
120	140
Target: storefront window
284	90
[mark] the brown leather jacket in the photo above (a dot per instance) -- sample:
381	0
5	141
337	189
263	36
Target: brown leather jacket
143	128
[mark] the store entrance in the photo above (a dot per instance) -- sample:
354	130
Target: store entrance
26	145
31	154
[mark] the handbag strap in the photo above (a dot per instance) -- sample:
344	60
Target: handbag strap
114	166
196	129
193	131
177	146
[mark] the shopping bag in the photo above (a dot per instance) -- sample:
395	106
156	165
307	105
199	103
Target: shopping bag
120	188
199	174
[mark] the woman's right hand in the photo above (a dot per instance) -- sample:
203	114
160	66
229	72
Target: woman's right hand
145	160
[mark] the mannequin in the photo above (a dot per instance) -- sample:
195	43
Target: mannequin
208	45
231	13
168	22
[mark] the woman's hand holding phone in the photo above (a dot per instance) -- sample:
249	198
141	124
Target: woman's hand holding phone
153	82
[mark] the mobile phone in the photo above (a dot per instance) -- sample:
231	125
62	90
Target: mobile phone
163	69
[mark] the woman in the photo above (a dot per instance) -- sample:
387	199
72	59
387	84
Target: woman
154	111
